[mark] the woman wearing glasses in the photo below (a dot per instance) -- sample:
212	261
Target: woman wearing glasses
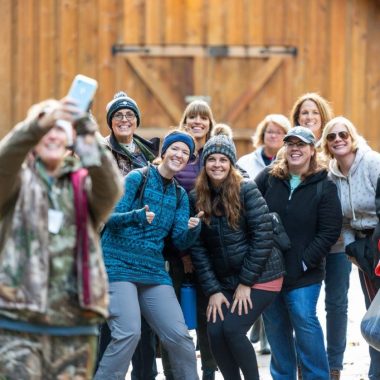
355	168
130	152
297	188
313	111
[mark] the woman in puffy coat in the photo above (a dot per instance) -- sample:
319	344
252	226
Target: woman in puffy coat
234	259
297	188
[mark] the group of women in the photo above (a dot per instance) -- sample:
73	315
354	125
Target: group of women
316	174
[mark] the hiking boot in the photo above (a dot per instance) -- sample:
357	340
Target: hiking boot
335	374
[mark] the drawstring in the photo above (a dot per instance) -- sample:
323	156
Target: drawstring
350	196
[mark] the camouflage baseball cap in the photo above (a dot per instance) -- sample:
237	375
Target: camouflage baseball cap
302	133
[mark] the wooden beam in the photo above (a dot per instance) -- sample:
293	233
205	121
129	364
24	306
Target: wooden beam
258	82
158	88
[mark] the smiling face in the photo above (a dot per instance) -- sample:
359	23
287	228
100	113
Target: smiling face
341	141
273	137
198	125
52	148
217	167
310	117
298	155
175	159
123	125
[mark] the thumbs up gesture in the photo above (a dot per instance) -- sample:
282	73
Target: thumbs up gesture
194	221
149	214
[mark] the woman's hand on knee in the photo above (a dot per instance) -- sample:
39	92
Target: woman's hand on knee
214	307
242	299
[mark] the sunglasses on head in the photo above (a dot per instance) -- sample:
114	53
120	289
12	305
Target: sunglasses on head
344	135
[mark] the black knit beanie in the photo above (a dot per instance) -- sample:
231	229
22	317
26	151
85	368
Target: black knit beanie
122	101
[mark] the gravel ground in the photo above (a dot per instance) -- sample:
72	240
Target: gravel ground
356	360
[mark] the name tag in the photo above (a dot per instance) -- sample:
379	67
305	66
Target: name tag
55	220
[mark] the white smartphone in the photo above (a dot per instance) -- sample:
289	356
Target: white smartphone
82	90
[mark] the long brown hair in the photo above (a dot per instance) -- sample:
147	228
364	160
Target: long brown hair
227	200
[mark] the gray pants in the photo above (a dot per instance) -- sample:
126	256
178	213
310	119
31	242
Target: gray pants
159	306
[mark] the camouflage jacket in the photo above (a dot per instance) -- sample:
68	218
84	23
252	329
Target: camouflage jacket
24	238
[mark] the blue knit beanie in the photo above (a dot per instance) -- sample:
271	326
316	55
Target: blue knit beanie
221	144
176	136
122	101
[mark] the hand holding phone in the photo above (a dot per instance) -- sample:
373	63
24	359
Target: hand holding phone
82	90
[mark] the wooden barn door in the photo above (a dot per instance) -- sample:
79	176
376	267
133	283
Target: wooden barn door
242	84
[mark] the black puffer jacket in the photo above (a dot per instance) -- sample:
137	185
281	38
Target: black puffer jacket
224	257
312	218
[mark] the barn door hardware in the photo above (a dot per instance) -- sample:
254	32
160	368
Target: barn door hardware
233	51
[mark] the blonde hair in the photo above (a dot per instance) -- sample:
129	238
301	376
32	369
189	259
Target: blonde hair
322	104
280	120
228	199
197	107
355	137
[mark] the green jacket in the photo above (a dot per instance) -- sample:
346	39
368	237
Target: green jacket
26	246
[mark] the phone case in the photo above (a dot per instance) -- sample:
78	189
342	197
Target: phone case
82	91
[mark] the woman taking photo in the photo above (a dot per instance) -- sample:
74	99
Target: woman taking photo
53	285
132	241
233	258
355	169
297	188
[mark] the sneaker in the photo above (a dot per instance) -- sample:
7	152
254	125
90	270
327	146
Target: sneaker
335	374
299	372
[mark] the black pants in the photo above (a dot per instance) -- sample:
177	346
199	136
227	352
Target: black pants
143	360
230	345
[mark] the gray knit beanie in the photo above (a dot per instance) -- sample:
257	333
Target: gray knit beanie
122	101
221	144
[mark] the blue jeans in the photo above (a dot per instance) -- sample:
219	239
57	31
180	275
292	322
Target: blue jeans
337	282
290	319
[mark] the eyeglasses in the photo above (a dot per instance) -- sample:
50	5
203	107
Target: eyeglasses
298	144
120	116
344	135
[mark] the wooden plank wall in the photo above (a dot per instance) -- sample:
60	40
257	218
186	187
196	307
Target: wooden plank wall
46	42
